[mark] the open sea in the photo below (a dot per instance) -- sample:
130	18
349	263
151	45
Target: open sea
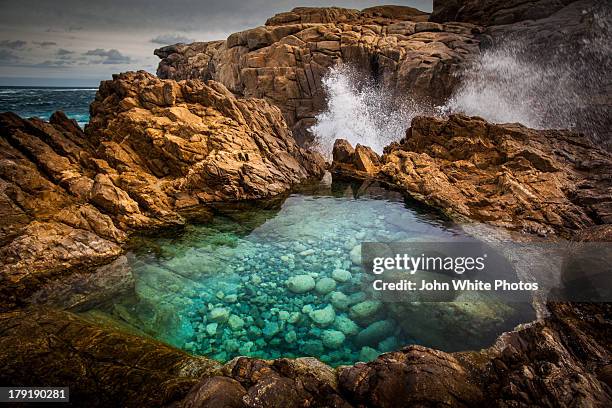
43	101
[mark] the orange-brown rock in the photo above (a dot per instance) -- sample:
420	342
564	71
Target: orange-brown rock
285	60
537	181
153	150
361	159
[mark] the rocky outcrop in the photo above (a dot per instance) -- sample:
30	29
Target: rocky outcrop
537	181
285	60
563	360
154	150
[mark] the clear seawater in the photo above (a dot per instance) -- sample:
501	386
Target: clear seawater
43	101
220	288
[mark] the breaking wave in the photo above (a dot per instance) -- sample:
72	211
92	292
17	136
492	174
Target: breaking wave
361	111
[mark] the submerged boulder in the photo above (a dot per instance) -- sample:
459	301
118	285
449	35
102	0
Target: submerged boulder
300	283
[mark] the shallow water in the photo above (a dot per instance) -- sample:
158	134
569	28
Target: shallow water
220	289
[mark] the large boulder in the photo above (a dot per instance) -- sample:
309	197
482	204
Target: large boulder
285	60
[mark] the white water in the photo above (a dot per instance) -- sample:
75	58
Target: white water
360	112
509	83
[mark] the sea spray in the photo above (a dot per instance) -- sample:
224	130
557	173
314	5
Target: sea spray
361	111
543	86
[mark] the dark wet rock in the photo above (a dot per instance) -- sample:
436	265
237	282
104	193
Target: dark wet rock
102	366
561	360
494	12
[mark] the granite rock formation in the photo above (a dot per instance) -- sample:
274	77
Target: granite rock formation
154	149
285	60
537	181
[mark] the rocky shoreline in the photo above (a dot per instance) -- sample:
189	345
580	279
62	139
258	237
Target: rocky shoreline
227	121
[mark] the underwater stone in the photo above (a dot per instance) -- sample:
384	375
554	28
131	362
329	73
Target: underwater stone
231	346
357	297
300	283
211	329
389	344
235	322
294	317
375	332
346	325
271	329
325	285
339	300
368	354
323	317
219	315
340	275
283	315
332	339
365	309
312	348
291	337
356	255
307	252
231	298
307	309
246	347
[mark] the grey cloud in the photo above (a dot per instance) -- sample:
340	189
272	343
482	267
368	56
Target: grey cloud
14	45
111	56
166	39
188	15
8	57
63	51
45	44
54	64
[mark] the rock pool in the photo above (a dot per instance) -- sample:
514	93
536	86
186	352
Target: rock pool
282	278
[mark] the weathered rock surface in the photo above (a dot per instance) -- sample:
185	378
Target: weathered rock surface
561	361
538	181
285	60
153	150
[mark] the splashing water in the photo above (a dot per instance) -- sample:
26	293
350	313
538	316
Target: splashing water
543	87
502	86
360	112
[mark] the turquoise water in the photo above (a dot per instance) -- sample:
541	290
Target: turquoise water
41	102
242	283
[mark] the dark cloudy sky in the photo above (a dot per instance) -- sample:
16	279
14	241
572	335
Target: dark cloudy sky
79	43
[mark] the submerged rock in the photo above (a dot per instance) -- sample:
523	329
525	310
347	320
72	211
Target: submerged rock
341	275
365	309
300	283
375	332
346	325
325	285
323	317
339	300
332	339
